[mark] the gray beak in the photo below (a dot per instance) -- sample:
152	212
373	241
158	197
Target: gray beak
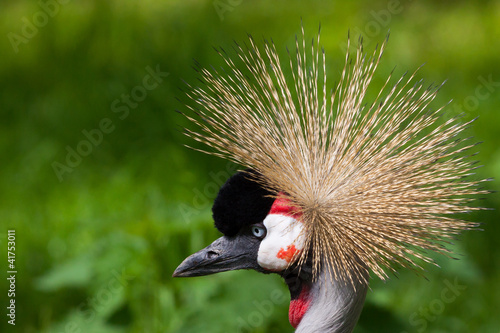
224	254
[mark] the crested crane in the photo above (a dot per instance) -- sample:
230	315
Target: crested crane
334	187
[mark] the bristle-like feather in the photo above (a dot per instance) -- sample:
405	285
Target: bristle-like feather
376	183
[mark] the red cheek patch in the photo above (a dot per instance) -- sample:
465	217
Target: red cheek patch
287	254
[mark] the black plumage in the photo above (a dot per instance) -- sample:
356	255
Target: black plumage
241	201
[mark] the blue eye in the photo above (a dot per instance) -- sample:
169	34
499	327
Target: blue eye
259	231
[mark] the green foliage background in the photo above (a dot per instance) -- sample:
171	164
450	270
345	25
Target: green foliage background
96	250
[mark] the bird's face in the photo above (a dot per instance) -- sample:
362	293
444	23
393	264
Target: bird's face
260	232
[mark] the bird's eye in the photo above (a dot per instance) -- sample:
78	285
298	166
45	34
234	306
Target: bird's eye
258	231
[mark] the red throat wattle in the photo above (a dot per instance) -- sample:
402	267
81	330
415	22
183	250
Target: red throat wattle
299	306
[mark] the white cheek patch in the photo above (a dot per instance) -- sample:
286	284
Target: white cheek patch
283	242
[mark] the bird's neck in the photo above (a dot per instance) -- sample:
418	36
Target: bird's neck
326	305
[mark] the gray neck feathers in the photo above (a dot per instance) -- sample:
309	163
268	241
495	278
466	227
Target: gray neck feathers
335	306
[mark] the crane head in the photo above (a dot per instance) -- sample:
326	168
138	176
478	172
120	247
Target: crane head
261	231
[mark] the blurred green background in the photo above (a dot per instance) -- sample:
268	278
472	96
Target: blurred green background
98	235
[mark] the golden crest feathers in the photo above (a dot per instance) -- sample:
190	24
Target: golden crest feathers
376	183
